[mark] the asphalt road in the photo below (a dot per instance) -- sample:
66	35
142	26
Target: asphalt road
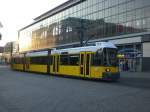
30	92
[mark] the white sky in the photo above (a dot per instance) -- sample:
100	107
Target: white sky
15	14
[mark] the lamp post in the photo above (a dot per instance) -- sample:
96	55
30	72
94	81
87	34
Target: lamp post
1	27
80	30
0	36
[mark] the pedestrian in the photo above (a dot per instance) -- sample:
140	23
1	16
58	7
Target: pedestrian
126	65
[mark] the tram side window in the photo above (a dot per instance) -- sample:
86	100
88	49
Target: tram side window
18	60
44	60
64	60
39	60
21	60
74	59
96	60
34	60
13	60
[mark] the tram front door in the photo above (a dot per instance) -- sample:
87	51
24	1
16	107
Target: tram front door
55	64
85	64
27	64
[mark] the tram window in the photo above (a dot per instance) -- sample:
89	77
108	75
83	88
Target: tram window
14	60
44	60
82	59
18	60
96	60
112	54
51	60
105	62
74	59
39	60
33	60
110	57
21	60
64	60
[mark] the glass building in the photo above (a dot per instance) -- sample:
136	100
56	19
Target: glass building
80	22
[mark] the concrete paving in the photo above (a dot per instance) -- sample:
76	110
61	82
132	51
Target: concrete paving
30	92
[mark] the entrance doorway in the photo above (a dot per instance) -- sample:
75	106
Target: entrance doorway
130	57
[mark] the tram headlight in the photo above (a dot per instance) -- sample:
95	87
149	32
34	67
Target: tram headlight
107	70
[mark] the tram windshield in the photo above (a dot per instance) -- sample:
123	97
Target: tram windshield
110	57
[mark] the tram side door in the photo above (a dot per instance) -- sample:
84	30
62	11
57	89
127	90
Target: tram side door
24	62
27	63
85	64
55	64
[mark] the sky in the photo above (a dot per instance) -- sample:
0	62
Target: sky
15	14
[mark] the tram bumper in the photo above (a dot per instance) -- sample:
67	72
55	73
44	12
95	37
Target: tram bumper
110	76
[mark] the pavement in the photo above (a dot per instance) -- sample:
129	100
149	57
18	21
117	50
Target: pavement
31	92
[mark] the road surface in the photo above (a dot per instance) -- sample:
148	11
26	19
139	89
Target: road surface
31	92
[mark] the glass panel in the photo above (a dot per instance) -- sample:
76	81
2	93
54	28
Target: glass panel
147	12
146	23
138	3
110	57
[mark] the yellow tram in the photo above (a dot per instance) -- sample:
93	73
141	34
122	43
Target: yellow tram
36	61
93	62
17	62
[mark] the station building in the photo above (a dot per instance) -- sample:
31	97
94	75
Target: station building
74	23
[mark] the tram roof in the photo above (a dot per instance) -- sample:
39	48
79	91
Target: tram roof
99	45
17	55
39	53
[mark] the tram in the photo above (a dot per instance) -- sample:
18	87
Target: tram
17	61
92	62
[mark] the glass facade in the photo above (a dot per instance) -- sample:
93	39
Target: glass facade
90	19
